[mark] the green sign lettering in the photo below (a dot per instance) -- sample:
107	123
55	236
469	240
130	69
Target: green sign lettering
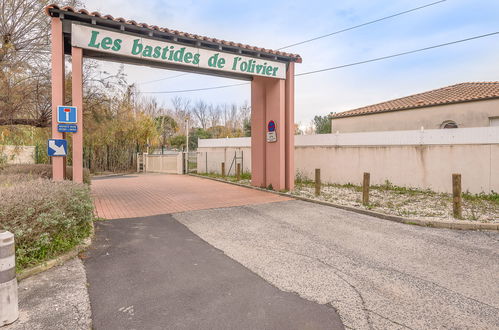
157	50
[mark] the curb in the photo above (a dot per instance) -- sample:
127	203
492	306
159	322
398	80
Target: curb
110	175
46	265
418	222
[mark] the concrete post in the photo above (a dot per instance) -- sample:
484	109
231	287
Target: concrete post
9	310
180	163
275	171
258	132
77	92
58	163
268	158
290	127
187	146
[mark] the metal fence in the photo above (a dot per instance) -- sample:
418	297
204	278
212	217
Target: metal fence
211	161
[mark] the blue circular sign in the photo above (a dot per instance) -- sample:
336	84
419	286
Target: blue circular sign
271	126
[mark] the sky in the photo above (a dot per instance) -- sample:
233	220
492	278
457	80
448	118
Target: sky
277	23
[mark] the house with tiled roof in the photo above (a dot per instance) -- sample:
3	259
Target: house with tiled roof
471	104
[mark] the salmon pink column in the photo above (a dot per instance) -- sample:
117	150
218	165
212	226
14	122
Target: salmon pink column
77	96
268	102
258	141
57	91
275	151
290	127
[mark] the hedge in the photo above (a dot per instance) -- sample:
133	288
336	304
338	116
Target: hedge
47	218
41	171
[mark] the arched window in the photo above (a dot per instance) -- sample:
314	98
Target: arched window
449	124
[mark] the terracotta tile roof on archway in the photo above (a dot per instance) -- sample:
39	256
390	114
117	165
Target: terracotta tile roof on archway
294	57
463	92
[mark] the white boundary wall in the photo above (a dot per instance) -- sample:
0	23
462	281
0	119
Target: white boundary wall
421	159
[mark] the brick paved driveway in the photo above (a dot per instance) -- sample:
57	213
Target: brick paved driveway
141	195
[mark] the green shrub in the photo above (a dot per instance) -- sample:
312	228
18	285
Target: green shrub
41	171
492	197
47	218
301	179
246	176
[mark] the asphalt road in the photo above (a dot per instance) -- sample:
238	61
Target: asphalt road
153	273
377	274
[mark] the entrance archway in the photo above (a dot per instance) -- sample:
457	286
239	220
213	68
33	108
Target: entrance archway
80	33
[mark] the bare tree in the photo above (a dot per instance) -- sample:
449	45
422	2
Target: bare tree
245	112
181	110
151	106
232	117
215	114
245	117
24	62
24	30
201	111
224	112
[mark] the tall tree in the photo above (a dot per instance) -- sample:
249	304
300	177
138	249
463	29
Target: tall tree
322	124
24	62
167	127
215	114
201	111
181	111
245	117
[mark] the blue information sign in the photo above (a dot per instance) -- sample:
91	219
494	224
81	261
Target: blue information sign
66	115
57	147
67	128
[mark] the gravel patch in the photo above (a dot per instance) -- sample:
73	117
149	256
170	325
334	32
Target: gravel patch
424	205
398	201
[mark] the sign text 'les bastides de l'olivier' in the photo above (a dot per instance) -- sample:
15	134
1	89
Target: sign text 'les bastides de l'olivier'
160	51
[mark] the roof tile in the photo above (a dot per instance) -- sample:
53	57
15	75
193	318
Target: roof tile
463	92
295	57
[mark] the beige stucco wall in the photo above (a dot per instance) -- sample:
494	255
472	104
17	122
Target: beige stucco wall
417	166
18	154
425	167
468	114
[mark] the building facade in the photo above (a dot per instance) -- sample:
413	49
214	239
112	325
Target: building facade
459	106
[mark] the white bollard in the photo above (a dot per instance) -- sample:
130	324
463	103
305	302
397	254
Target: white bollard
9	310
